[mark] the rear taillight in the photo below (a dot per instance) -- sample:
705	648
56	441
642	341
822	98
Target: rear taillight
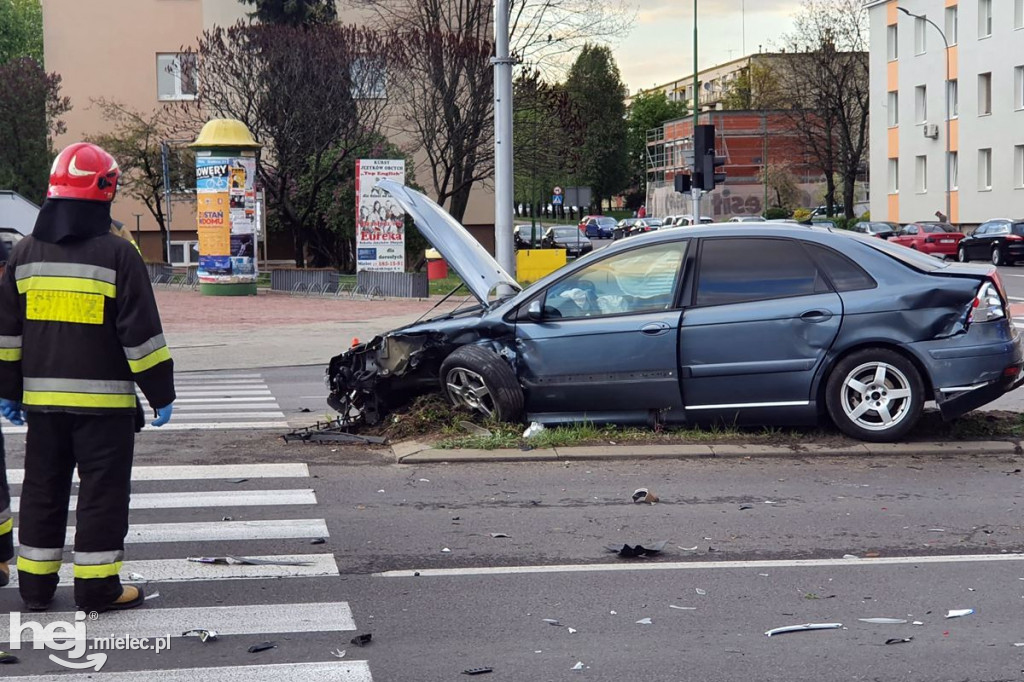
1014	238
988	305
929	240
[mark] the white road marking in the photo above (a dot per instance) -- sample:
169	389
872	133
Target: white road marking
698	565
185	426
199	472
273	413
219	531
186	376
223	394
189	410
226	620
226	388
182	570
213	401
203	500
338	671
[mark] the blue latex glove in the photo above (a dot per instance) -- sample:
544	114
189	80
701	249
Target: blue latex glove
12	412
163	415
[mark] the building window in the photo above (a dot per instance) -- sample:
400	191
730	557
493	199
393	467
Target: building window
954	98
892	41
1018	14
984	169
984	94
952	24
1018	164
921	174
894	109
920	104
184	253
369	78
894	176
920	36
176	76
984	18
1018	88
954	170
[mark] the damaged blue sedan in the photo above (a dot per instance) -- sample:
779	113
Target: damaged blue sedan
775	324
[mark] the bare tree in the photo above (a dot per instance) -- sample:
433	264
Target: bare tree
544	32
827	73
781	182
310	95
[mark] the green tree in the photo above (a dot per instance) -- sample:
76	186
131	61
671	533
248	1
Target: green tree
21	30
134	140
596	88
648	110
294	12
757	88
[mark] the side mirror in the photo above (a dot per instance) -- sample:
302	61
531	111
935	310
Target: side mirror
534	311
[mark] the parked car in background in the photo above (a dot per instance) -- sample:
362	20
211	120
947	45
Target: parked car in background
936	239
566	237
876	228
747	219
767	324
644	225
597	226
687	219
668	221
999	241
521	234
622	228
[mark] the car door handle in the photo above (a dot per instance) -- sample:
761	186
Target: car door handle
654	328
816	316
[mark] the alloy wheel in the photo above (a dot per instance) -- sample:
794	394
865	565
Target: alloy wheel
876	396
961	254
997	256
468	389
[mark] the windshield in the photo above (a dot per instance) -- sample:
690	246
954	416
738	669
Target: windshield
1018	228
654	222
606	221
567	233
937	227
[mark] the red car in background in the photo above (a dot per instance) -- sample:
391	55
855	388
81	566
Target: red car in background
936	239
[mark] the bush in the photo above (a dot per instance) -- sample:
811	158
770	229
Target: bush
801	215
776	213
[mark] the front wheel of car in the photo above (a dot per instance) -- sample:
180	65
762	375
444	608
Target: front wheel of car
997	257
875	395
479	380
961	254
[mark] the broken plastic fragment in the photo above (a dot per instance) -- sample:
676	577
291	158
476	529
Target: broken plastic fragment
644	496
240	480
338	653
898	640
701	591
744	507
850	556
633	551
499	535
151	595
572	631
917	622
362	640
683	608
883	621
136	577
956	613
203	634
445	550
477	671
8	658
644	621
533	429
804	627
578	666
262	646
317	541
689	549
551	621
474	430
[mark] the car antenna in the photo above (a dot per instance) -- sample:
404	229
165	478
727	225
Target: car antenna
439	303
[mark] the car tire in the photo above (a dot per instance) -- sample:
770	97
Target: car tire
479	380
961	255
887	382
997	257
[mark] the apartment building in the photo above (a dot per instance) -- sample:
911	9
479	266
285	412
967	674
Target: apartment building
121	50
716	82
984	96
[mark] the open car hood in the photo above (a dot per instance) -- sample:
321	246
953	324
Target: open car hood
466	255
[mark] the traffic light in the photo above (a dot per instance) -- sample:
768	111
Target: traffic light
704	159
711	175
682	183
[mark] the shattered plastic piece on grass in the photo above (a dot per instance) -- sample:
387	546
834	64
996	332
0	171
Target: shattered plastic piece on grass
956	613
644	621
203	634
899	640
477	671
644	496
633	551
362	640
8	658
262	646
578	666
533	429
802	628
883	621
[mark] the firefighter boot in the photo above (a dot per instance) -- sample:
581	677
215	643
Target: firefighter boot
131	597
5	574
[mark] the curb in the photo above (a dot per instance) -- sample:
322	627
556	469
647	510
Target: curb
413	452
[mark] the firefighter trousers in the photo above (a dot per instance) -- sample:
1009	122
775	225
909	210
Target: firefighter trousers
6	520
101	446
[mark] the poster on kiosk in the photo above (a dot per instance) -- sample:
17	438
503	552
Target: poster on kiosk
226	203
380	220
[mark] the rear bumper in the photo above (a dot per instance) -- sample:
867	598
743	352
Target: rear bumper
941	249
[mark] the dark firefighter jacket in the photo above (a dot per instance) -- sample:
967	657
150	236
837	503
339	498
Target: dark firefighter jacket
79	326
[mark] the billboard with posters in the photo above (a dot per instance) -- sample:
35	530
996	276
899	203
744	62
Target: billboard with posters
226	220
380	220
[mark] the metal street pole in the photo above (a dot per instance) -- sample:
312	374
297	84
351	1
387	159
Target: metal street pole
694	190
503	183
949	189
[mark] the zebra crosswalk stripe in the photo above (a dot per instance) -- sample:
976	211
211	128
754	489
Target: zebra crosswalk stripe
221	531
199	473
338	671
215	498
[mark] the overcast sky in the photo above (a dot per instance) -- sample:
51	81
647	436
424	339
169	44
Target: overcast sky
659	47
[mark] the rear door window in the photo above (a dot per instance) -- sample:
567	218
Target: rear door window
738	270
844	274
1018	228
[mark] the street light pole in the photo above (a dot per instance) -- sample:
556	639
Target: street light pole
503	182
694	190
949	190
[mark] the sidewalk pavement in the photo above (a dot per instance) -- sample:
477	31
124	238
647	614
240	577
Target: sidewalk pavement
275	330
414	452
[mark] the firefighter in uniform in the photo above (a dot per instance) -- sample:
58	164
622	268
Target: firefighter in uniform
77	306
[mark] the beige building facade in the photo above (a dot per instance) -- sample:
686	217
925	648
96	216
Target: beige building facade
120	50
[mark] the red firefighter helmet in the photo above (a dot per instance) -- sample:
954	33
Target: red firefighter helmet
83	171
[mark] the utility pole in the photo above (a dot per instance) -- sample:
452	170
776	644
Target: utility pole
503	182
695	191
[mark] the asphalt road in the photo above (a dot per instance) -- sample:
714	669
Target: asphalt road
736	530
